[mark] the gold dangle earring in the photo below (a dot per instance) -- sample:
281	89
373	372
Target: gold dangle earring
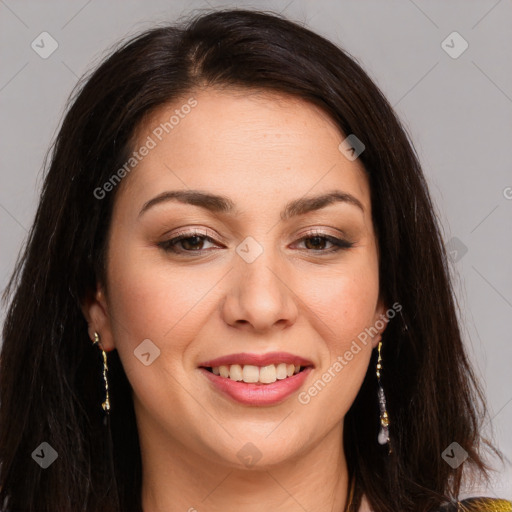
106	403
383	437
109	446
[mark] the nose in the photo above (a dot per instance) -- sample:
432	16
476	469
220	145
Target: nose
260	296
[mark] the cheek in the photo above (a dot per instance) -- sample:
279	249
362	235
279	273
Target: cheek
150	302
165	308
141	301
342	306
344	300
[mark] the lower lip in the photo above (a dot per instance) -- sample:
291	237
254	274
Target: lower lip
258	394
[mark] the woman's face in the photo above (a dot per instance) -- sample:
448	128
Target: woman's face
259	272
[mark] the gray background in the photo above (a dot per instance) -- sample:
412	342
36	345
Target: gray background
458	112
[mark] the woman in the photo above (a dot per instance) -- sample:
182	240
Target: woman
235	293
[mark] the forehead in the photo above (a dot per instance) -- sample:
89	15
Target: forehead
243	143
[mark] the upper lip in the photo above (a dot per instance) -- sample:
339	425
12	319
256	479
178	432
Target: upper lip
257	359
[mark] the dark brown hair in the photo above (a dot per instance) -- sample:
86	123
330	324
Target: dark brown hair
51	382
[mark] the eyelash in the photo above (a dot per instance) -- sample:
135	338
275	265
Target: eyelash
339	244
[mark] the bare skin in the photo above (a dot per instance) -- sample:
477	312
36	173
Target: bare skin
297	296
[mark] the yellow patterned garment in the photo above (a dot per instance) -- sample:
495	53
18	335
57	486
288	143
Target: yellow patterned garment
480	505
468	505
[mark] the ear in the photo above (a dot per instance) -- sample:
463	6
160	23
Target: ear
380	321
96	312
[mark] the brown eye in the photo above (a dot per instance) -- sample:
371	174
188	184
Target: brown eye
189	242
316	242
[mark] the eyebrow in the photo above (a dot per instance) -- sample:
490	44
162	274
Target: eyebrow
222	204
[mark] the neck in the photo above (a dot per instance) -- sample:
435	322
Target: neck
174	480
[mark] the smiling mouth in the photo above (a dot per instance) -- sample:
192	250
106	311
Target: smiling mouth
251	374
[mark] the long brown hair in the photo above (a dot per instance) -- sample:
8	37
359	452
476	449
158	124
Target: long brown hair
51	383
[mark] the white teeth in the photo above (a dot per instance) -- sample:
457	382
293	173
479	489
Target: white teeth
268	374
251	374
235	372
281	371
